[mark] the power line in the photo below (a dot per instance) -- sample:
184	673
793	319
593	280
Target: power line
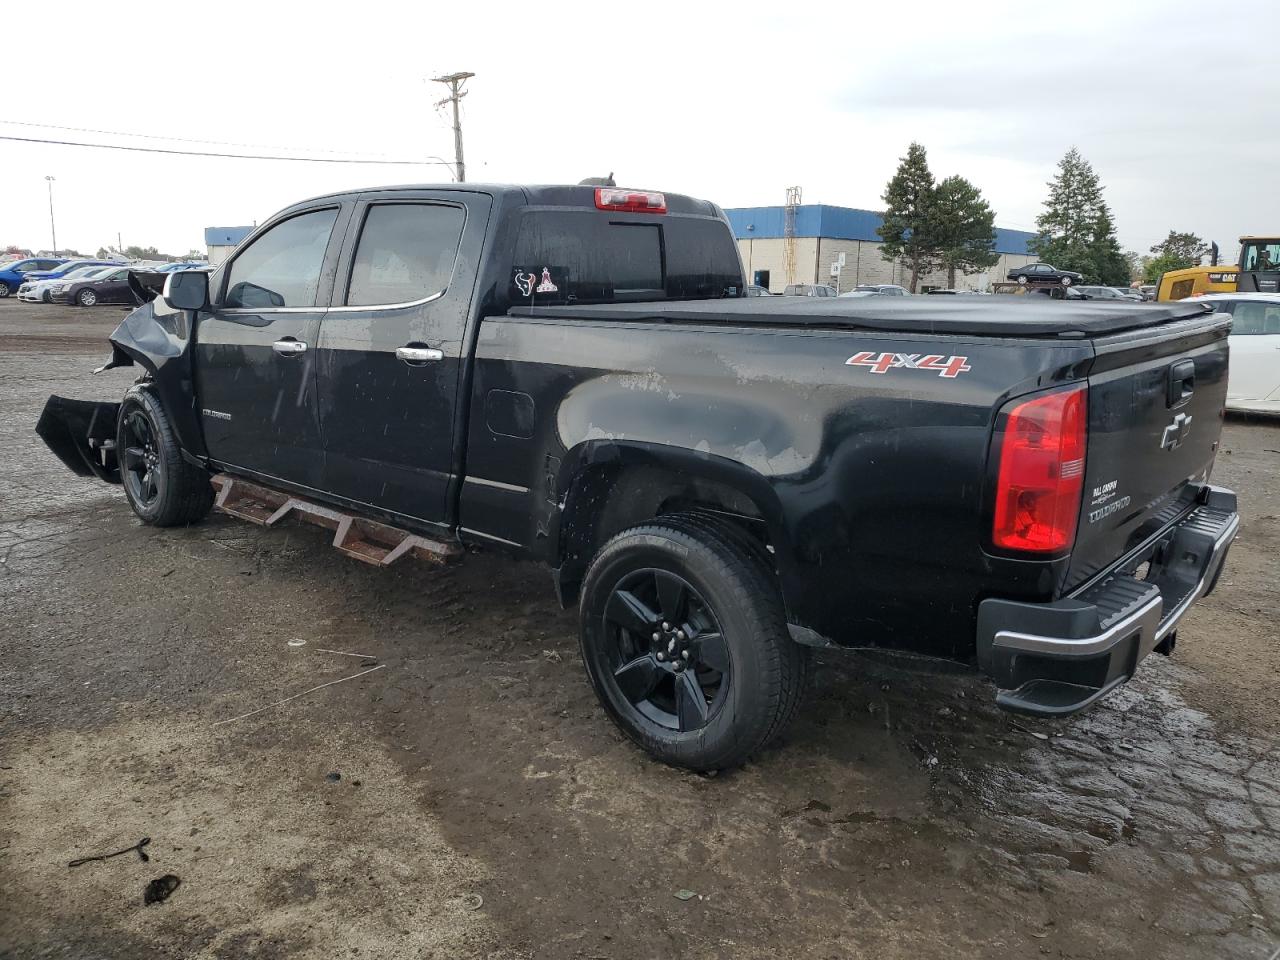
152	136
228	156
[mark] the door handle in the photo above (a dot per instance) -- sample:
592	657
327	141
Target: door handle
413	355
289	348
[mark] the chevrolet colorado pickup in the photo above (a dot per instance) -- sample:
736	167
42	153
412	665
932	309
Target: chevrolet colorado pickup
719	482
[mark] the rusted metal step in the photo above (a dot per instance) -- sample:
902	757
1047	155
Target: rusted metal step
369	541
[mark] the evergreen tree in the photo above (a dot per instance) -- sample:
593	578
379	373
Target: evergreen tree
1077	231
1183	249
906	230
964	227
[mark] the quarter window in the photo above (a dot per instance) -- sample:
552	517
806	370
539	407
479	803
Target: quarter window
282	267
406	253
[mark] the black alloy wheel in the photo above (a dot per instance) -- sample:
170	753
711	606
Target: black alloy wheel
666	650
141	466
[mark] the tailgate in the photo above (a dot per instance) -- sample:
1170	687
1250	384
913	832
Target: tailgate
1156	401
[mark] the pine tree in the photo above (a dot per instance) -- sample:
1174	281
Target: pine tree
1077	231
964	226
906	229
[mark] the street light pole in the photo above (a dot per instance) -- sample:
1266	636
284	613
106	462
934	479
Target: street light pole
52	229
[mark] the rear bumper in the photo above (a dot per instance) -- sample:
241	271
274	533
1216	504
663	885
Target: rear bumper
1051	659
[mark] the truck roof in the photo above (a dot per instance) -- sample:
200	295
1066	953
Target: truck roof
552	195
980	316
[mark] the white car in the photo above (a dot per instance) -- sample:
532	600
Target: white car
1254	384
41	291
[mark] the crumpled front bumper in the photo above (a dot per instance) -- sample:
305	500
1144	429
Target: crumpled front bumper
1051	659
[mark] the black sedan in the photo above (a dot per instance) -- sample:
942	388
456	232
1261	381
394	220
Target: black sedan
1043	273
112	287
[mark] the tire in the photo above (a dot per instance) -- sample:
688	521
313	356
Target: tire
46	297
162	487
86	297
4	289
1022	278
1065	281
704	591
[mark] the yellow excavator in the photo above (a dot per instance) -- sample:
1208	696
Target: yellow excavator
1258	271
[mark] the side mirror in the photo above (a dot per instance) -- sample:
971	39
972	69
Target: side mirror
187	290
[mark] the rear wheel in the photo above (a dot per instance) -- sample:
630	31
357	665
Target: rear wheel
162	487
685	643
86	297
1022	278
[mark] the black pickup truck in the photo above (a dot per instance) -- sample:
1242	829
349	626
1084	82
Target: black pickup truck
721	483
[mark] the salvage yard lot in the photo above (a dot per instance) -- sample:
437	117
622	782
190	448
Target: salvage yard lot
484	807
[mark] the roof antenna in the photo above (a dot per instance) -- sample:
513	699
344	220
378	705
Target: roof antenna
598	181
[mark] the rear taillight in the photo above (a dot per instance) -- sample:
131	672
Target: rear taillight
632	201
1041	473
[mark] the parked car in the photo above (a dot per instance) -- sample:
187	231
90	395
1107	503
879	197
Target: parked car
15	271
809	290
62	269
109	287
755	290
1109	293
876	289
1254	384
1044	273
185	265
41	290
563	373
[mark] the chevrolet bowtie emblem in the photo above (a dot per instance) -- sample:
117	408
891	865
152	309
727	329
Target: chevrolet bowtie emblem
1176	432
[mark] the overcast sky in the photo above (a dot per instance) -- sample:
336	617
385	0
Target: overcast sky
1175	105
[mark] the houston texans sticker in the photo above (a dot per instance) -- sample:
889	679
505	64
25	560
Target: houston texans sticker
527	282
946	367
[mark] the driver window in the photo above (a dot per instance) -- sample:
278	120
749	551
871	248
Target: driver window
282	267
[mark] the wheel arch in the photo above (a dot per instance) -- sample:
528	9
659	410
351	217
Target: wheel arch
609	485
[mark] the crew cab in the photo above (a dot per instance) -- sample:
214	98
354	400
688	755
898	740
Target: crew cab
719	482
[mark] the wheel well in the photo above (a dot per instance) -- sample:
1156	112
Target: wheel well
605	500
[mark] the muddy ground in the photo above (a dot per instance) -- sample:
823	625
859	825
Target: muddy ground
469	798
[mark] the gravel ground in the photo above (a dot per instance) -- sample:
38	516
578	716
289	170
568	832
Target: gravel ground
470	799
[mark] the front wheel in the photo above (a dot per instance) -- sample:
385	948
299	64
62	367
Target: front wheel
4	289
685	642
1066	281
162	487
86	298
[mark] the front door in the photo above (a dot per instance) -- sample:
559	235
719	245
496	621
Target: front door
391	350
255	364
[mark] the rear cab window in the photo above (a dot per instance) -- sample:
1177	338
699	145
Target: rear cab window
589	256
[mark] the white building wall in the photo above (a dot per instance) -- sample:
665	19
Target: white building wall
863	264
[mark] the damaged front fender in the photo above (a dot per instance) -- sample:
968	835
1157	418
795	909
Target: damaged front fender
81	433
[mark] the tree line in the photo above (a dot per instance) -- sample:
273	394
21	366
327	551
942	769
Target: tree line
930	225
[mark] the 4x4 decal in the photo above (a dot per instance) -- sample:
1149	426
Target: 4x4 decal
949	367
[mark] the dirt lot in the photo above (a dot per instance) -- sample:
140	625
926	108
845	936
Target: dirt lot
469	798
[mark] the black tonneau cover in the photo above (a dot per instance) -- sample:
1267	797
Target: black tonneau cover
998	315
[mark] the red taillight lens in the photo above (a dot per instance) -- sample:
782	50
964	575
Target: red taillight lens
1041	473
632	201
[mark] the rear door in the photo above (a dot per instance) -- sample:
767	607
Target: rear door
390	354
1156	399
255	349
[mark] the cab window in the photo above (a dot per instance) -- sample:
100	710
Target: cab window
1253	318
282	267
406	253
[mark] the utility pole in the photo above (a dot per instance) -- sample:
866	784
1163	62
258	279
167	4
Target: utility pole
52	229
454	82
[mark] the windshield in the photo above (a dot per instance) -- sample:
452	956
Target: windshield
1260	256
88	270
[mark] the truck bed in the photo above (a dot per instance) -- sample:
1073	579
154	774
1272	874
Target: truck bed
1005	316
